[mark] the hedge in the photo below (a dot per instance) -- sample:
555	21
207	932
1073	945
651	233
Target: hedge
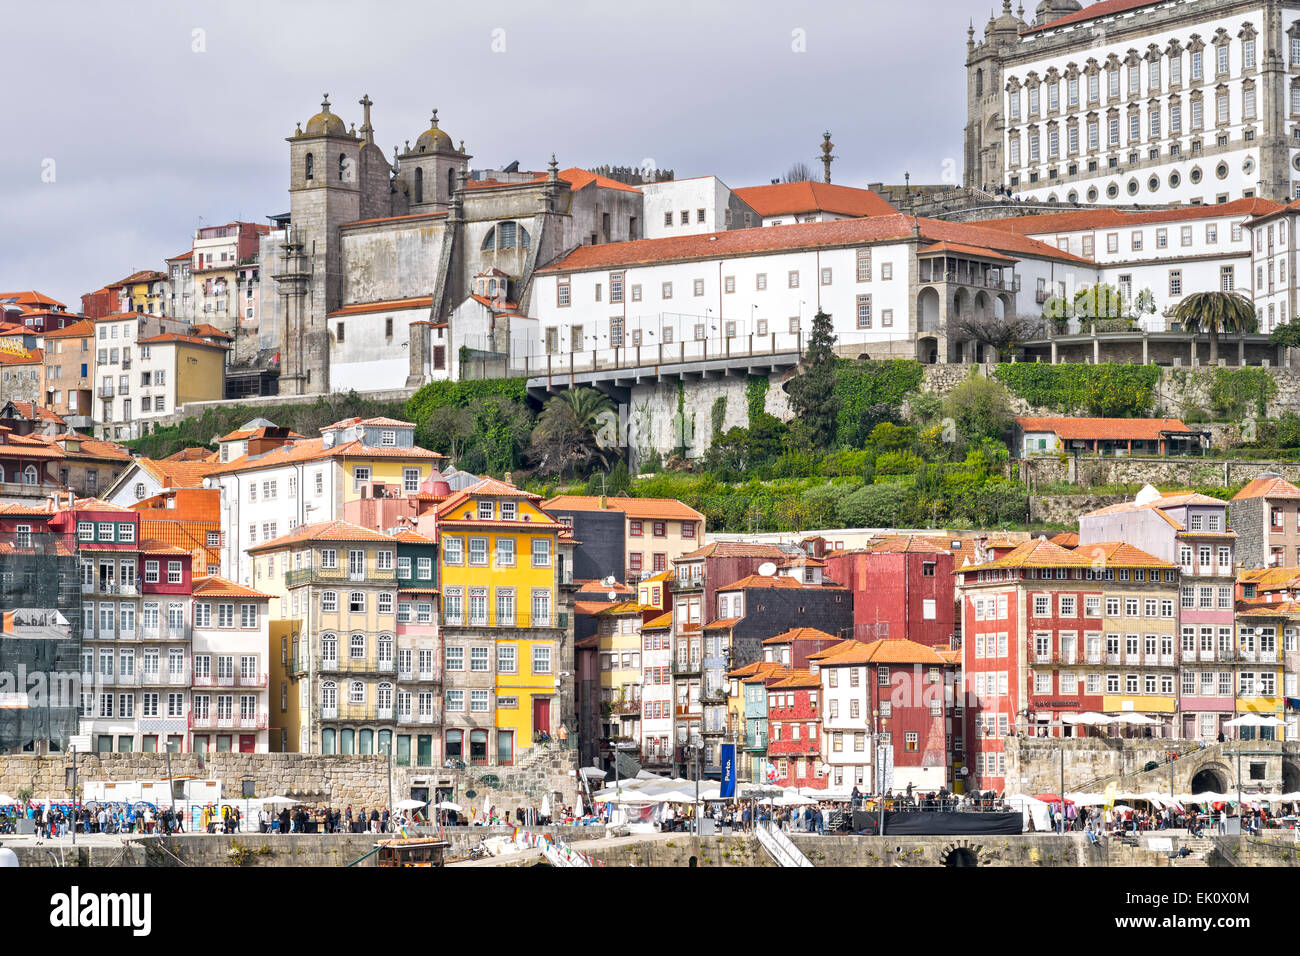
1107	390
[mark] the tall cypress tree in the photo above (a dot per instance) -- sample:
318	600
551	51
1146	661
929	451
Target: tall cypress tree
812	392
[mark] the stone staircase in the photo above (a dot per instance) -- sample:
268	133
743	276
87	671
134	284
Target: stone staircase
541	771
1202	849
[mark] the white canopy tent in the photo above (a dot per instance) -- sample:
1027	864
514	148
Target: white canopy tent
1255	720
1031	809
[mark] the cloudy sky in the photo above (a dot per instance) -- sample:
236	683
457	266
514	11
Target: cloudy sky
128	130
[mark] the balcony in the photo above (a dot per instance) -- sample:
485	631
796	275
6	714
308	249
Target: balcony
340	576
433	676
522	619
229	680
713	696
683	669
1259	657
212	722
431	719
105	586
162	678
366	666
755	741
625	708
350	711
106	390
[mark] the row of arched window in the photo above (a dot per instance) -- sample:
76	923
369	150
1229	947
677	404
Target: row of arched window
310	167
356	691
28	475
506	235
357	646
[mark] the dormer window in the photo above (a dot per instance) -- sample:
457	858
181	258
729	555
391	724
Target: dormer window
388	439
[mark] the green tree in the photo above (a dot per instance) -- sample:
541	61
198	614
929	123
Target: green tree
812	392
1216	313
980	408
448	429
1098	302
1287	334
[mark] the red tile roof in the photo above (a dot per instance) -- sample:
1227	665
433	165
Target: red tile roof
214	586
30	298
811	235
34	412
1102	8
1268	487
886	651
798	679
1109	429
390	305
1041	553
652	508
1084	219
722	623
168	338
776	581
581	178
960	249
733	549
211	331
337	530
800	634
82	327
782	199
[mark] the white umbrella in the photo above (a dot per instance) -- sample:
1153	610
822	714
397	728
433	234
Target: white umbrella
1121	808
593	773
1133	719
447	805
1087	717
1255	720
546	805
410	804
278	801
5	800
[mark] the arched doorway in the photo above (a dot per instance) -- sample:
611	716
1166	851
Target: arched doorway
1210	780
961	856
927	310
927	350
1290	777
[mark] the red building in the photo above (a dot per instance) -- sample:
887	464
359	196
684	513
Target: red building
793	647
902	588
794	742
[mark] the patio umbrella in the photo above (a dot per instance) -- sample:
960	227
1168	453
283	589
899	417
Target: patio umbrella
546	805
1133	719
278	801
593	773
5	800
447	805
1051	798
1087	717
1255	720
410	804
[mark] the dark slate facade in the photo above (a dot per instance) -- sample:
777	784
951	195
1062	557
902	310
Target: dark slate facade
602	550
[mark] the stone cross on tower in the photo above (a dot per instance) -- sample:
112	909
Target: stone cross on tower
367	130
827	146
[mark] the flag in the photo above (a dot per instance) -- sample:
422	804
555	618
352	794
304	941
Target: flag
728	789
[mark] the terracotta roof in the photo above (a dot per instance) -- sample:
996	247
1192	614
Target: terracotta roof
1110	218
733	549
1268	487
760	672
798	679
591	607
187	254
581	178
214	586
391	305
811	235
211	331
312	449
960	249
1112	429
154	546
82	327
886	651
622	607
920	544
663	620
1041	553
488	488
144	275
32	357
776	581
1158	504
407	536
1102	8
800	634
1271	579
89	447
175	338
1066	539
337	530
781	199
178	474
652	508
723	623
193	454
34	412
30	297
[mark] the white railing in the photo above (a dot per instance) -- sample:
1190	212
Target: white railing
779	846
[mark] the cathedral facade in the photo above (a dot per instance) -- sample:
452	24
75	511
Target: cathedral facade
1137	101
389	274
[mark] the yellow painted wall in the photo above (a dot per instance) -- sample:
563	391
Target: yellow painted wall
289	718
1116	703
386	470
199	373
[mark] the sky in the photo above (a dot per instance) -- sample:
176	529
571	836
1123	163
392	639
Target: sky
131	125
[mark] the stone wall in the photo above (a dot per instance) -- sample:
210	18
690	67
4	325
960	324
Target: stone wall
335	780
1065	509
1161	472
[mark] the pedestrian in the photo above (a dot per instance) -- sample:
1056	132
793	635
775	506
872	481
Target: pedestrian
563	734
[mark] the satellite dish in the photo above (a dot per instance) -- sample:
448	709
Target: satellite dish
612	595
608	581
767	569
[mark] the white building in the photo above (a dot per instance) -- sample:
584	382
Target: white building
692	207
781	204
1136	101
1272	264
846	722
229	648
1171	253
889	283
657	691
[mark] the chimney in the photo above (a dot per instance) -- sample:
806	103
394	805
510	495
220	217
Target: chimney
602	503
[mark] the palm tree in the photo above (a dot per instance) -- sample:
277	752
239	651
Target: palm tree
1216	312
592	412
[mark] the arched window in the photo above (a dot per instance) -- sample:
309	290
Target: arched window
490	240
356	692
329	695
343	166
979	82
366	741
311	166
29	475
385	649
419	185
507	235
2	474
347	737
357	647
327	740
384	696
329	649
451	183
139	489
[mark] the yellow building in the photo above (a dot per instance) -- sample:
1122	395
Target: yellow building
618	655
338	581
143	291
285	723
1264	634
498	571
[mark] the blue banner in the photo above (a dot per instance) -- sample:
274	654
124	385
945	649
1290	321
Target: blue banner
728	790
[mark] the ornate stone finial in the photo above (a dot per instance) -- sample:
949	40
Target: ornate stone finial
462	146
408	145
325	104
298	129
433	123
1006	6
353	131
394	154
827	146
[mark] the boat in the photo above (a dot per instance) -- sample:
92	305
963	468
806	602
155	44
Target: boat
411	851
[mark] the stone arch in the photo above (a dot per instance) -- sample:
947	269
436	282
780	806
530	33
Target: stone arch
927	350
1290	776
928	310
960	853
1211	777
